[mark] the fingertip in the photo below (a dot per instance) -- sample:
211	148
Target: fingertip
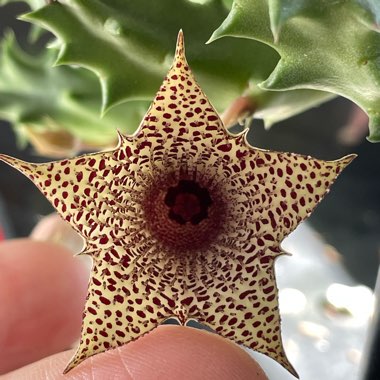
52	228
168	352
188	353
42	293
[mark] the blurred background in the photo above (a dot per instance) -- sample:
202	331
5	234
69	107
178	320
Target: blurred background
342	237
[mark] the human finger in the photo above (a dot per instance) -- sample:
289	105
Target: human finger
167	353
42	293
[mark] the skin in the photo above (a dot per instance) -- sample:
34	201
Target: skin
42	291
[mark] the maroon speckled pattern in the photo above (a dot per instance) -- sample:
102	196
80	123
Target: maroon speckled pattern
216	266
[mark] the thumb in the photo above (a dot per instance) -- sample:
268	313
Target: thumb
167	353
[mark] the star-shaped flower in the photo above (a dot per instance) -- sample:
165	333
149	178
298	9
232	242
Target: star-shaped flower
183	220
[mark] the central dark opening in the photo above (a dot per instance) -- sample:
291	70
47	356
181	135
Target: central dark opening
188	202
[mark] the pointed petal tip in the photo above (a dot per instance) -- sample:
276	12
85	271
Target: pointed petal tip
3	157
120	136
294	373
348	159
68	368
10	160
180	47
75	360
284	362
83	252
24	167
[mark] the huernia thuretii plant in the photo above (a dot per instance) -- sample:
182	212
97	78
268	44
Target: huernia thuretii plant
277	58
184	220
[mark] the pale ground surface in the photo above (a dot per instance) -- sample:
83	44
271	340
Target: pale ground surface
320	343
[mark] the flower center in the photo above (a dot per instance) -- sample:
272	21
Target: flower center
188	202
184	214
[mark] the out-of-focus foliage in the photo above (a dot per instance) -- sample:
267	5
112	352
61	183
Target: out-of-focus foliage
129	46
325	45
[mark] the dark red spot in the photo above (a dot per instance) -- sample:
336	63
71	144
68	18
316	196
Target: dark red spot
141	314
288	183
232	321
80	161
187	301
104	300
269	289
246	294
225	147
102	164
260	162
92	176
103	239
264	310
125	261
268	237
289	170
119	298
156	301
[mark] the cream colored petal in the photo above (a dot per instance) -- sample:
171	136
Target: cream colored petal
183	220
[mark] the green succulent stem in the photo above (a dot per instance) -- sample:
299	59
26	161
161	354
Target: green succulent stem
282	56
